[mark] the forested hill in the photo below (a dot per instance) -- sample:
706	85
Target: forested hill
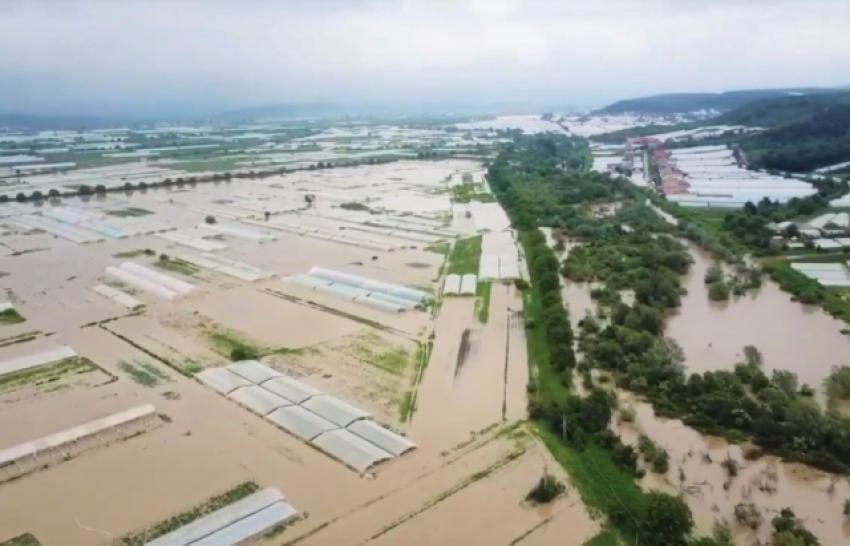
673	103
805	132
781	111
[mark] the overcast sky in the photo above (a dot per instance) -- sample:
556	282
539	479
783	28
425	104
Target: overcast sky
145	56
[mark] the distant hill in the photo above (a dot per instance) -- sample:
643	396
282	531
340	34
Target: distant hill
674	103
804	132
782	111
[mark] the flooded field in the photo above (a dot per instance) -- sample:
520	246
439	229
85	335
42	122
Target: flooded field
402	368
791	336
697	471
713	335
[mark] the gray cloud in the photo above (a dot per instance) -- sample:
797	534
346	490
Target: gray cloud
144	55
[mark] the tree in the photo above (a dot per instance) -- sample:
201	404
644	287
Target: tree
100	189
666	520
718	291
713	274
596	411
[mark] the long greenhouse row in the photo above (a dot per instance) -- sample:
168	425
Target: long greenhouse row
55	448
380	295
235	523
335	427
156	283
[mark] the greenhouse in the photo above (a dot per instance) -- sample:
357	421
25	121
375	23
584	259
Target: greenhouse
222	380
334	410
258	399
35	360
300	422
167	281
350	449
233	524
468	285
385	439
293	390
142	284
451	286
254	371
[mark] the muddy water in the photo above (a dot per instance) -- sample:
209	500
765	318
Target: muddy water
791	336
816	497
488	386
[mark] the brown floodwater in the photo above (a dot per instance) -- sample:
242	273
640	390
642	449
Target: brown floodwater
695	470
791	336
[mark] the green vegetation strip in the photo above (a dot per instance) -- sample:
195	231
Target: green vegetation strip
10	316
212	504
465	256
22	540
49	373
176	265
236	346
144	373
482	301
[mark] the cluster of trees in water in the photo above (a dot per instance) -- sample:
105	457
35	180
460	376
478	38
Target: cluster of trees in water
540	182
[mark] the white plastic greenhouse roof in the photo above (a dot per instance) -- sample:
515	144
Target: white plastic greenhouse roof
385	439
252	526
350	449
234	523
222	379
300	422
36	359
73	434
254	371
369	285
306	281
334	410
293	390
141	283
468	285
380	304
258	399
167	281
451	286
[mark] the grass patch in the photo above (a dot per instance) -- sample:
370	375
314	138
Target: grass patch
11	316
407	406
465	256
602	484
191	367
470	191
135	253
20	338
176	265
129	212
235	346
439	248
212	504
48	373
22	540
371	348
482	301
144	373
355	205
